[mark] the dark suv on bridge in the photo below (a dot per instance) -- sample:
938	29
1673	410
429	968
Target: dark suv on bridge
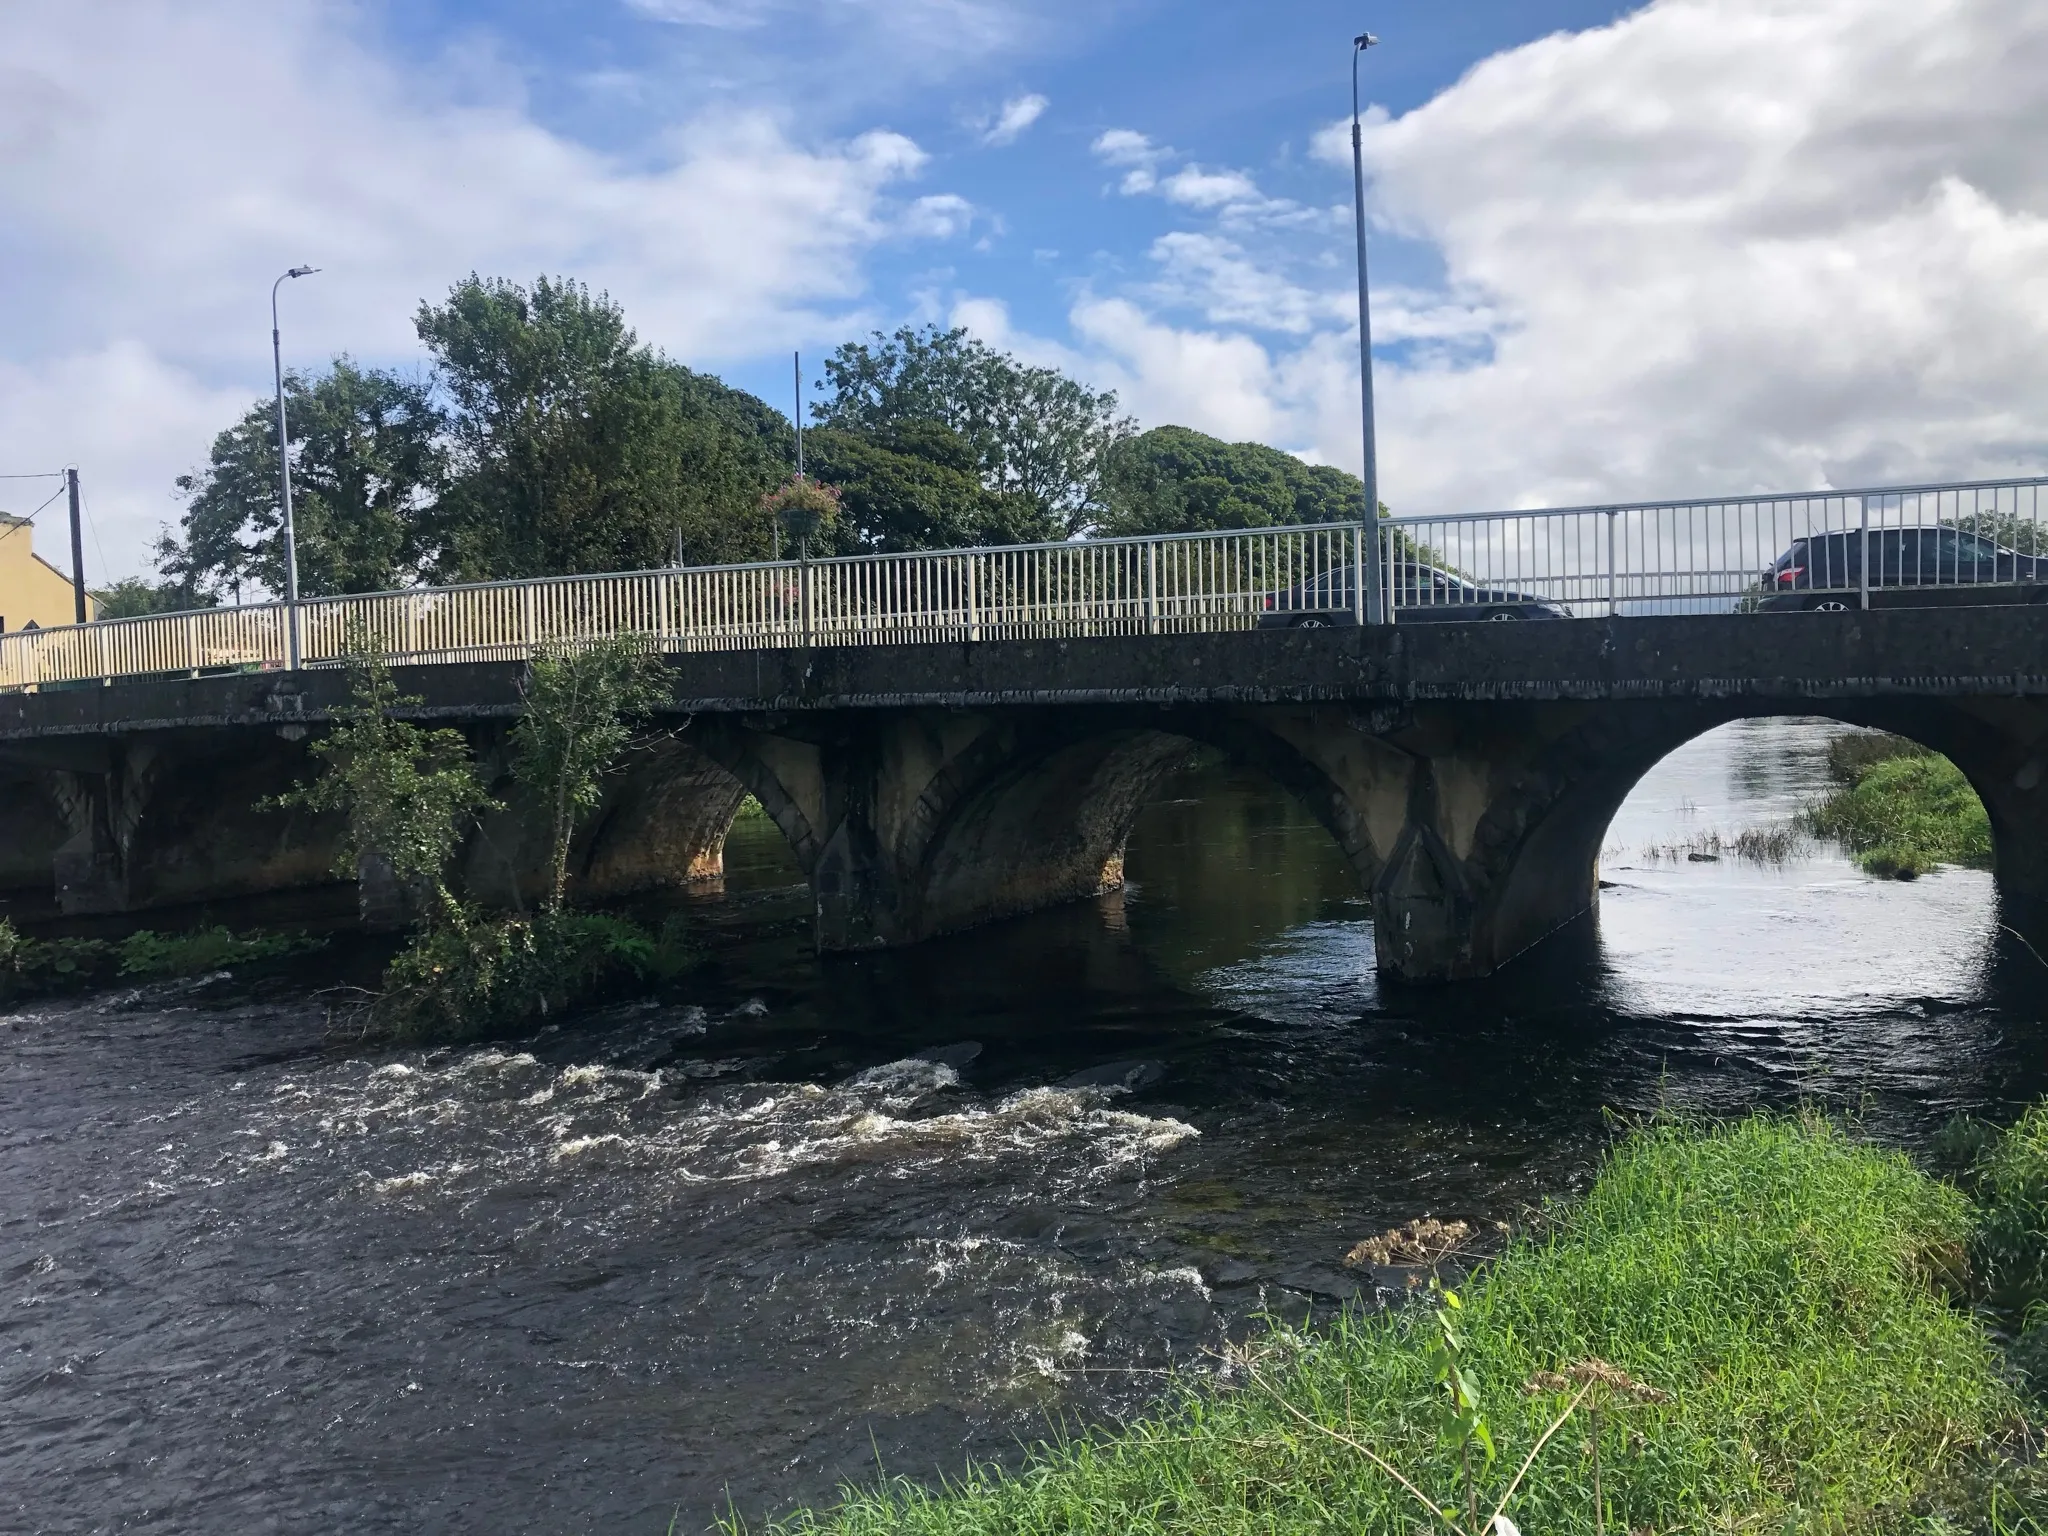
1422	595
1910	568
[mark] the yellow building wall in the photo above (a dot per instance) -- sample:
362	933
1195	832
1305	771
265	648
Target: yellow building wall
30	590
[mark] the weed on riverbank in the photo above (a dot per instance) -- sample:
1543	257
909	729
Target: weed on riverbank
1900	809
1780	1294
1775	844
2007	1172
30	967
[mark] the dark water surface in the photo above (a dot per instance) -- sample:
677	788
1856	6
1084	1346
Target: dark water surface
909	1207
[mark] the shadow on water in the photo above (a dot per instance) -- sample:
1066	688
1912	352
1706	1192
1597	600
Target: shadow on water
915	1204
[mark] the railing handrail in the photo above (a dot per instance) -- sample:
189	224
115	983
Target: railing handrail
1407	519
1712	553
1686	503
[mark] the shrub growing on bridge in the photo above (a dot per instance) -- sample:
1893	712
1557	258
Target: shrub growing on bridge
408	793
579	700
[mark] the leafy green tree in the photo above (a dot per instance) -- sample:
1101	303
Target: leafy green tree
580	700
917	485
136	597
578	449
366	461
1176	480
1033	432
408	793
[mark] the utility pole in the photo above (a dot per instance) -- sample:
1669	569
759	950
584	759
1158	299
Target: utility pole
77	550
1369	526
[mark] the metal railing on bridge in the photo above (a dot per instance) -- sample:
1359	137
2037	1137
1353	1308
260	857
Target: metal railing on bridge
1721	555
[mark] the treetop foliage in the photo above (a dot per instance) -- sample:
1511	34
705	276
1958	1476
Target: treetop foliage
576	448
1033	432
548	439
367	460
1176	480
917	484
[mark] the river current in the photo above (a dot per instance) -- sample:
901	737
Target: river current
811	1220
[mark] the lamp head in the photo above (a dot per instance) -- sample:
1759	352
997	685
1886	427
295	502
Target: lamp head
1363	41
302	271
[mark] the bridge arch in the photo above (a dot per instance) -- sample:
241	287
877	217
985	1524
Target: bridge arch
913	823
1536	849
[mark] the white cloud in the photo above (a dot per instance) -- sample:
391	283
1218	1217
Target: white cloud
1018	114
1193	187
221	142
938	217
1232	193
1214	275
1125	146
1719	245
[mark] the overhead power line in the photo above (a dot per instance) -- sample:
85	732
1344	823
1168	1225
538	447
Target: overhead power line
46	500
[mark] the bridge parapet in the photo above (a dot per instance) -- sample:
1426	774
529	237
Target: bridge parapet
1971	540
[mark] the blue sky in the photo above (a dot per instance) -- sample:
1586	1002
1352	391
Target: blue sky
1690	246
1229	86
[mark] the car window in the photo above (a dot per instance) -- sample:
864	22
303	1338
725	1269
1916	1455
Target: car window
1962	548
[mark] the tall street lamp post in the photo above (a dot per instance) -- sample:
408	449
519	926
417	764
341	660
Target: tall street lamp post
284	480
1369	527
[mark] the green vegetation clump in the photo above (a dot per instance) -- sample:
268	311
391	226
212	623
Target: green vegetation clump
470	975
1770	1292
1901	809
2007	1172
410	795
32	966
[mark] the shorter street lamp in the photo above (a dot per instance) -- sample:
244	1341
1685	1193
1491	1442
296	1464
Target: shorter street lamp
284	479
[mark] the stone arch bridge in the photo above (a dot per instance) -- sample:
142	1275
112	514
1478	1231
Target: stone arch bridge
1467	771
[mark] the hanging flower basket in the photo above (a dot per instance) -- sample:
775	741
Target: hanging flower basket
803	508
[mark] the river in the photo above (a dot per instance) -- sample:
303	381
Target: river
813	1218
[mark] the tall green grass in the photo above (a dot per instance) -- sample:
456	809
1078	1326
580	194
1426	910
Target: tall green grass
1780	1282
2007	1172
1900	809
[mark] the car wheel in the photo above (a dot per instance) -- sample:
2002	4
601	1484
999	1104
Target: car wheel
1503	618
1830	605
1312	623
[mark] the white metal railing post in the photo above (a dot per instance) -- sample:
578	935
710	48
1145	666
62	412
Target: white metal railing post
1863	559
1386	550
1152	587
803	597
1613	516
973	560
1358	569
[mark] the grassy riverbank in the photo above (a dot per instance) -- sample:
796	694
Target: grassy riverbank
1790	1296
1901	809
32	967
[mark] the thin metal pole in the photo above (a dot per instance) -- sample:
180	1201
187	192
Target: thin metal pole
1863	563
1611	564
798	359
77	550
284	480
1369	524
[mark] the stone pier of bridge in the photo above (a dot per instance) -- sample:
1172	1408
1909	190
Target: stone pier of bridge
1468	772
